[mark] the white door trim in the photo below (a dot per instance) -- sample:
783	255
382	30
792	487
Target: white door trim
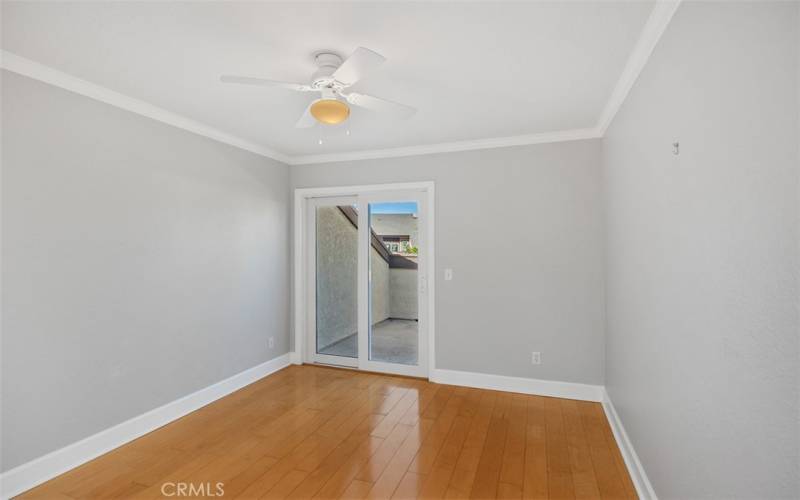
301	257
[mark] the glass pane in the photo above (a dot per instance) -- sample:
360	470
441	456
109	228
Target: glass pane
394	320
337	281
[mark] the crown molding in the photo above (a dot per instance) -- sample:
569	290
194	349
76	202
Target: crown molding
449	147
653	28
37	71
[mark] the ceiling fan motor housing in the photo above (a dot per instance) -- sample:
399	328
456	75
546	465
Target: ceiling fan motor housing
333	77
328	63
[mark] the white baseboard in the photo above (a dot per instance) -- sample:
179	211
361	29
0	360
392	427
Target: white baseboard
643	487
296	358
552	388
37	471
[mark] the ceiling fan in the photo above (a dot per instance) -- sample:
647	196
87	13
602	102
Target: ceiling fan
331	80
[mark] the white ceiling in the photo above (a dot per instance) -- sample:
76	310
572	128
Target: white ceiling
473	70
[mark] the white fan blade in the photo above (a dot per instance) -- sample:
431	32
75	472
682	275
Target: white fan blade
307	120
361	62
247	80
380	105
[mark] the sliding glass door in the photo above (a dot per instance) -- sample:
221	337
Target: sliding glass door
393	314
333	297
367	259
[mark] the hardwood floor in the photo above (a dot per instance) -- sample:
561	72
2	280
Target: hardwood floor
314	432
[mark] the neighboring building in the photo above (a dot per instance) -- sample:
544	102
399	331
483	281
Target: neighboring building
398	232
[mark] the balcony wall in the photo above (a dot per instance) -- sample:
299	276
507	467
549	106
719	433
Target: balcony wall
403	293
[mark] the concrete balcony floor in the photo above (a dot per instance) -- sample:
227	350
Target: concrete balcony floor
393	341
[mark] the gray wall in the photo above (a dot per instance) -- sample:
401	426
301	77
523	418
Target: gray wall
522	229
703	257
140	263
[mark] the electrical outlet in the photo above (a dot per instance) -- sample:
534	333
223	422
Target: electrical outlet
271	342
536	358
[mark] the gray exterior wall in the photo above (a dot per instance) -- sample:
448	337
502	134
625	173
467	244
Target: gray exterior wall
140	264
380	295
540	289
703	254
404	300
337	278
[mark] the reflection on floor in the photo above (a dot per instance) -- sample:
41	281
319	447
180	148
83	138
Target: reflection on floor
384	437
393	341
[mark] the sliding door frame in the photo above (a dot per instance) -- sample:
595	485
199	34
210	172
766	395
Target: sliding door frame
301	260
365	285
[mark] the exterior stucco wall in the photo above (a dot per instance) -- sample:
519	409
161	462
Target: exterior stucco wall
337	275
380	287
403	293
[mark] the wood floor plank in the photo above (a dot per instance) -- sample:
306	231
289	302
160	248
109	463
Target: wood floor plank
512	474
357	489
426	396
583	477
535	480
296	449
436	482
391	476
329	407
439	403
409	486
287	483
320	466
197	461
247	476
559	472
609	480
622	469
409	398
374	467
464	472
56	487
443	420
442	469
487	475
339	474
357	448
308	431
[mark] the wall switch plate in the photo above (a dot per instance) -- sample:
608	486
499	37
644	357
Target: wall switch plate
271	342
448	274
536	358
